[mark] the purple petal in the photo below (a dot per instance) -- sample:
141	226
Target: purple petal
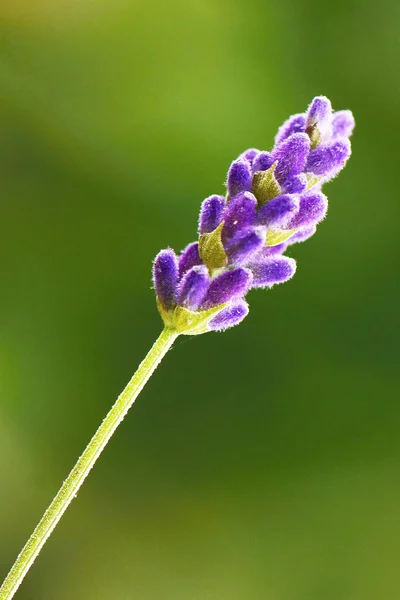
319	121
239	177
302	235
245	245
272	270
291	156
193	287
230	285
189	258
230	316
262	162
320	110
278	211
249	154
296	184
343	123
211	213
238	214
312	210
165	277
295	124
328	160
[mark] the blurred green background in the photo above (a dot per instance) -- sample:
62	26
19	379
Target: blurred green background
259	464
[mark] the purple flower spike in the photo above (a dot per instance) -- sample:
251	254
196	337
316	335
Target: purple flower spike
273	198
189	258
193	287
245	245
278	211
295	124
343	124
262	162
312	210
239	214
276	269
291	156
211	213
239	177
230	316
165	277
230	285
327	161
302	235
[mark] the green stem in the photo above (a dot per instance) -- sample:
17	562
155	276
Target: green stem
75	479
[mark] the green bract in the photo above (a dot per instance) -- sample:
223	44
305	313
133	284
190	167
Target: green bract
211	249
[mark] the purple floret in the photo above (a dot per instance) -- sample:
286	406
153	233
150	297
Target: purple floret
189	258
193	287
312	210
342	124
277	212
249	154
291	155
230	316
165	277
239	178
272	270
295	124
262	162
241	248
319	111
295	185
211	213
327	160
239	214
230	285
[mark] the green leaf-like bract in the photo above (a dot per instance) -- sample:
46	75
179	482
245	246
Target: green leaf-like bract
187	322
211	249
277	236
265	186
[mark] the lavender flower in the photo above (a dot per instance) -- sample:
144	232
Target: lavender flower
273	200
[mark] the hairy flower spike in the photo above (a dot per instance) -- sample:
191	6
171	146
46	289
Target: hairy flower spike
273	201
